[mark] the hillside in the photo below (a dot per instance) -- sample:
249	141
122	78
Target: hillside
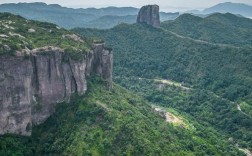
216	28
109	21
21	36
68	18
211	69
176	91
114	122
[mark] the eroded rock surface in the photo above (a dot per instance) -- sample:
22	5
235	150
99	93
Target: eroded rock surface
149	14
31	87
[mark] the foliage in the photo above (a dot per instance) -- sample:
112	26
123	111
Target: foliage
115	122
204	106
102	18
216	28
220	75
15	34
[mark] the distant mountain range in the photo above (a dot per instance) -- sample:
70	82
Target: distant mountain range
70	18
105	18
228	7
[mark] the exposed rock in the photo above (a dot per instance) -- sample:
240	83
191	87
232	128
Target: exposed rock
103	63
30	88
3	36
6	48
31	30
73	37
8	27
149	14
16	35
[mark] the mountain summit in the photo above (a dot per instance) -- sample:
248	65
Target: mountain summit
149	14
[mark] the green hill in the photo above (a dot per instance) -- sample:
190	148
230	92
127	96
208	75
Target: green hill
219	74
109	21
114	122
18	35
217	28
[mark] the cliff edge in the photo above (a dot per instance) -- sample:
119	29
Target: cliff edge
33	81
31	87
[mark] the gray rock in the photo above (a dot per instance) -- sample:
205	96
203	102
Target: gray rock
31	30
149	14
31	88
6	48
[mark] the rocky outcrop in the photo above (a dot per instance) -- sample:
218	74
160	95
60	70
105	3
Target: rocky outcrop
30	87
149	14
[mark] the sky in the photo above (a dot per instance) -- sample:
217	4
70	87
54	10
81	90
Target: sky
165	5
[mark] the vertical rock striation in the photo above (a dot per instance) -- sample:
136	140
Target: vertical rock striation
30	88
149	14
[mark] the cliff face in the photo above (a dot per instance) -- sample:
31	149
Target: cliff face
31	87
149	14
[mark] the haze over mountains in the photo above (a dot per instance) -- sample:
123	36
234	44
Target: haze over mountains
103	18
228	7
181	87
71	18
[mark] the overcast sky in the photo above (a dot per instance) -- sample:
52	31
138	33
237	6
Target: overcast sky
165	5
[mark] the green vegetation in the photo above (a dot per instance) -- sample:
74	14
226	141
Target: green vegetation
206	107
216	28
146	52
19	34
220	76
102	18
114	122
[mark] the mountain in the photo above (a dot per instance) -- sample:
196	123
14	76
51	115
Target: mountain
216	28
212	80
164	16
113	122
227	7
71	18
57	98
109	21
42	65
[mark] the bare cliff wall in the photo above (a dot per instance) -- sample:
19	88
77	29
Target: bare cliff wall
31	87
149	14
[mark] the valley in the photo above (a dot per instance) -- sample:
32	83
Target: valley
124	81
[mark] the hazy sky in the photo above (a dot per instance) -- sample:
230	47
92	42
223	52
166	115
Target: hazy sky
165	5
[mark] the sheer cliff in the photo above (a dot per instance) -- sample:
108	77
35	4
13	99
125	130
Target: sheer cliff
149	14
33	81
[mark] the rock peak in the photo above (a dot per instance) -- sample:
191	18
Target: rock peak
149	14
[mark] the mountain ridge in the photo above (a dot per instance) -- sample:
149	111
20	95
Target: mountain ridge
71	18
226	7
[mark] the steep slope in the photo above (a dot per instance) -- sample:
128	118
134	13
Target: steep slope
114	122
41	65
144	52
217	28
